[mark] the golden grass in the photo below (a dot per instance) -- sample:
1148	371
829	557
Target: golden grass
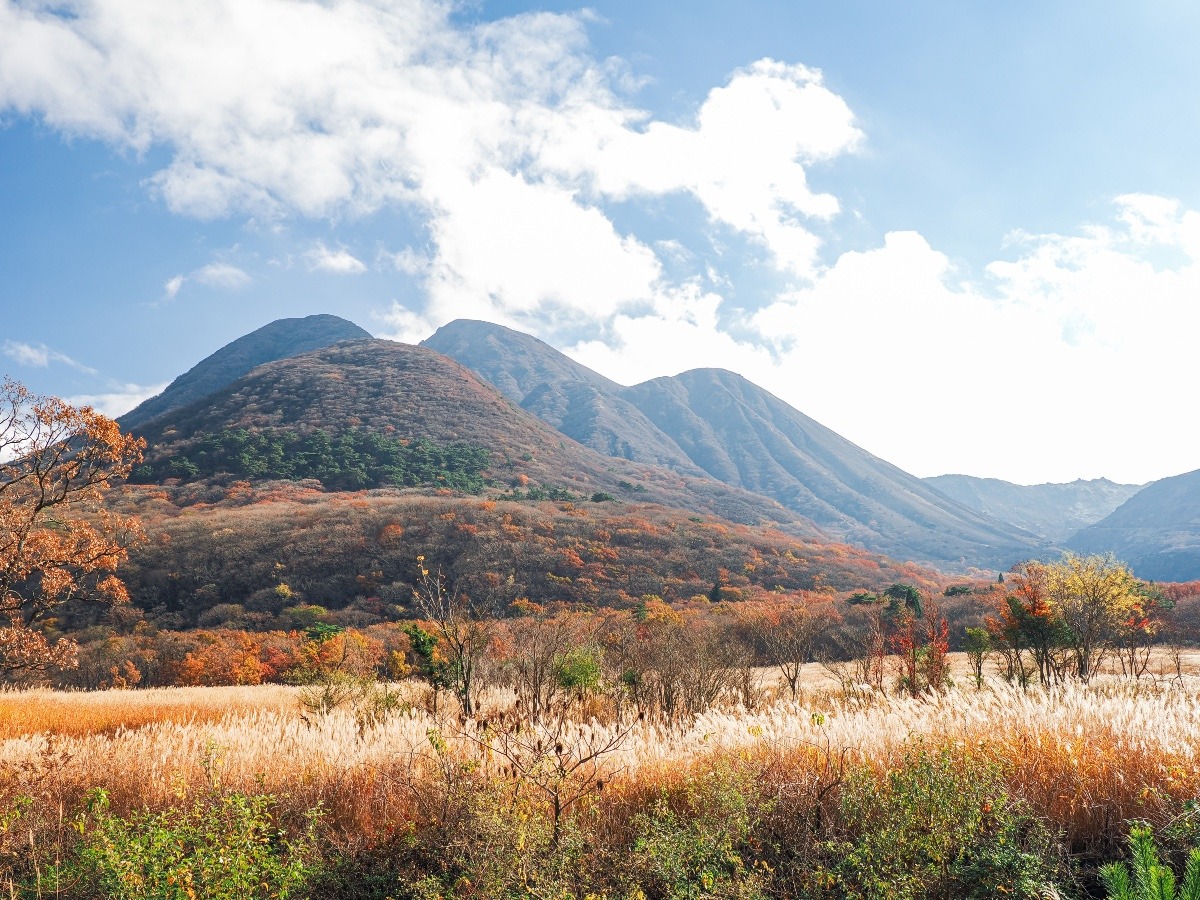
77	714
1086	757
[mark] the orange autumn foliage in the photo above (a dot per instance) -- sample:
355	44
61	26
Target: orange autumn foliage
56	542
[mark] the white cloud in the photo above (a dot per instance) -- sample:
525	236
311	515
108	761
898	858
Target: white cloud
509	142
216	274
337	262
280	107
403	324
119	400
498	255
26	354
40	356
744	159
221	275
1074	358
409	261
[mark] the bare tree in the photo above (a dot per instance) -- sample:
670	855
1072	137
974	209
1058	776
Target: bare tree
463	630
561	759
789	634
540	645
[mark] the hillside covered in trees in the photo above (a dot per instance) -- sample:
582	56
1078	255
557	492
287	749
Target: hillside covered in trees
220	555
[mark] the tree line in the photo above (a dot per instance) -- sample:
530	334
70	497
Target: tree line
350	461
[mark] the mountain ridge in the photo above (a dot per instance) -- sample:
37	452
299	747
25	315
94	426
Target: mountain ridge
1052	511
1156	531
720	423
415	393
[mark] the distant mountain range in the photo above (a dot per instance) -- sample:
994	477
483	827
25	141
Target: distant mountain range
706	441
1051	511
1156	531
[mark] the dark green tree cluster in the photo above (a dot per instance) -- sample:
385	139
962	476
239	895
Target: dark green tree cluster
350	461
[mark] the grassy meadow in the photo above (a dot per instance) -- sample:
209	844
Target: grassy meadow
968	793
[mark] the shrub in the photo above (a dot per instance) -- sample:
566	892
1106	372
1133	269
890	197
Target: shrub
696	843
938	825
221	846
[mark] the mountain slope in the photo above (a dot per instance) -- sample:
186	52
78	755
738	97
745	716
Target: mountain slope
330	548
576	401
278	340
1051	511
412	394
742	435
1156	531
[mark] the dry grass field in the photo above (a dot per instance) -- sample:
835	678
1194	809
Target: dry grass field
1083	755
1085	759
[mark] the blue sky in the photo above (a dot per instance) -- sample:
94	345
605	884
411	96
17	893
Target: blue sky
961	234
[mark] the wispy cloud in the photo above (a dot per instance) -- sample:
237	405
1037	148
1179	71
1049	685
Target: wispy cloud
40	356
408	261
222	275
215	274
338	262
171	288
119	399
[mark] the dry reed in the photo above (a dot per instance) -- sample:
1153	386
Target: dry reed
1087	758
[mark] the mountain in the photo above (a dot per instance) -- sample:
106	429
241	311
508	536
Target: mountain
1051	511
278	340
744	435
1156	531
400	396
580	403
738	433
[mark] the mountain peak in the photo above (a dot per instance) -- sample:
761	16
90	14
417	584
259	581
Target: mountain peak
514	362
717	422
276	340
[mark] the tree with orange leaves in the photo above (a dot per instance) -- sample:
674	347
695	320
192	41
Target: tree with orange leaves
57	542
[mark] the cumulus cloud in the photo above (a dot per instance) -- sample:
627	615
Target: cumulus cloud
509	145
1070	358
337	262
40	356
744	158
278	108
403	324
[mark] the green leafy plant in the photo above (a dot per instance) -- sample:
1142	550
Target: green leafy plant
697	843
1150	879
937	825
220	846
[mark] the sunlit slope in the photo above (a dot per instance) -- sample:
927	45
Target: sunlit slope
723	425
